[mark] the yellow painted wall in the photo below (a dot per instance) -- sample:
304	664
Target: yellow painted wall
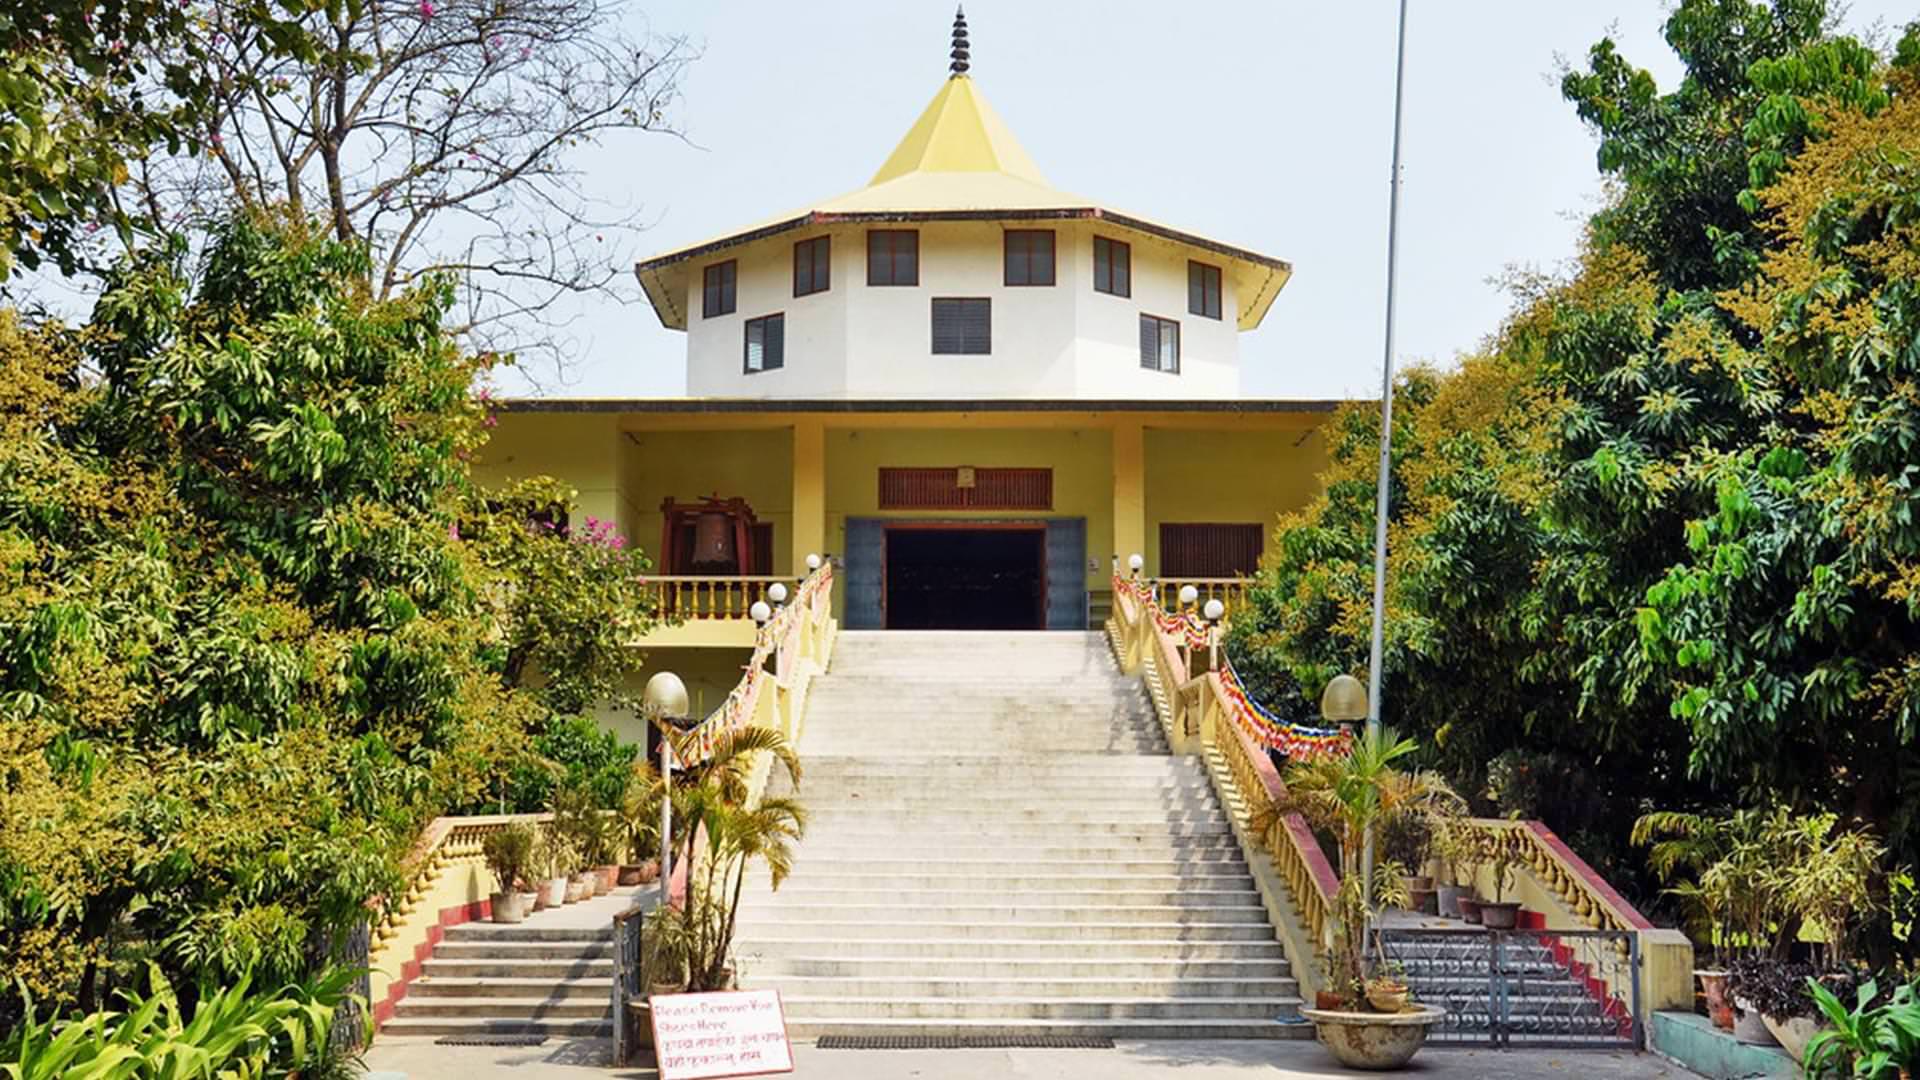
582	449
1081	459
710	674
756	465
1265	474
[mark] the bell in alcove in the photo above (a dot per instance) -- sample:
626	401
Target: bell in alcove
713	542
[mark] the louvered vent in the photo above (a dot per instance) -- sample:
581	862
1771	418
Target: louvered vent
943	489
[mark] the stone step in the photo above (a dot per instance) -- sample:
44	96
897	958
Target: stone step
798	895
1001	988
1016	967
839	925
520	933
990	816
820	801
1042	1008
880	880
936	787
525	952
520	988
975	849
1033	832
802	1027
787	913
406	1026
989	950
484	966
506	1007
1071	764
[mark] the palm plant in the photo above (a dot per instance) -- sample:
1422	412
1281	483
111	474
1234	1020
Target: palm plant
640	812
1350	797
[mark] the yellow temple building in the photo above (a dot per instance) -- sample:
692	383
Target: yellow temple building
974	392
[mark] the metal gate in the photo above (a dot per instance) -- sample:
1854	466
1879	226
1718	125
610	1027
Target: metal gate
1566	988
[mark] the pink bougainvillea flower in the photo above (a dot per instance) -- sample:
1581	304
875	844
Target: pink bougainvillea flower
426	9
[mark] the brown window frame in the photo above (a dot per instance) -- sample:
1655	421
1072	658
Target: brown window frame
1028	259
1209	285
1159	323
1179	539
900	244
933	318
720	289
814	257
1124	280
746	343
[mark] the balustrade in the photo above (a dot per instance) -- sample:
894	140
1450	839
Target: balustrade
716	597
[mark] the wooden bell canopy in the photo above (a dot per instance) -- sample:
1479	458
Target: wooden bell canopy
713	536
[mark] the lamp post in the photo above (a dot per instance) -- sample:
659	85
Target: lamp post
1343	702
813	563
666	697
1213	613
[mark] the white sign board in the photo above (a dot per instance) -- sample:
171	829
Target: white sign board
702	1036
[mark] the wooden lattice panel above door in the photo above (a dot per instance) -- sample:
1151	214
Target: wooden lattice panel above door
966	488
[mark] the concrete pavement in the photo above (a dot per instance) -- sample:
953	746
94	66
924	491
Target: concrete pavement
1238	1059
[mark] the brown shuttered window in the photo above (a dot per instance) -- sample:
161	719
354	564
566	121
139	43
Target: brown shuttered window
1029	257
810	266
1159	344
1112	267
1209	550
1203	290
717	289
893	257
965	488
962	326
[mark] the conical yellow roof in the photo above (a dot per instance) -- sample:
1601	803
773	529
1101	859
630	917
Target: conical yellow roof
959	132
959	161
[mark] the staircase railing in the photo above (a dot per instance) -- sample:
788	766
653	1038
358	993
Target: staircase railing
1201	717
794	647
447	883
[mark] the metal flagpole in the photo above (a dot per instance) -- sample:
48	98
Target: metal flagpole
1386	429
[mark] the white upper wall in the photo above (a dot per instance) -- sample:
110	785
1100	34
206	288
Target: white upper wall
1059	341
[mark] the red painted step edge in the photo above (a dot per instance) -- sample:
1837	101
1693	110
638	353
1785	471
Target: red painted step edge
472	911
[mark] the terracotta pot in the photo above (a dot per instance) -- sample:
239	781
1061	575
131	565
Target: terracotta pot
1504	915
579	887
1449	899
663	989
1419	883
629	874
1714	985
1328	1001
1364	1040
605	878
1424	901
650	871
1469	909
1749	1028
1388	998
510	907
553	892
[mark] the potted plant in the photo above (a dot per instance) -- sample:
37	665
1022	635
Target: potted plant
1350	797
577	822
1456	847
1501	913
551	858
607	838
509	854
640	817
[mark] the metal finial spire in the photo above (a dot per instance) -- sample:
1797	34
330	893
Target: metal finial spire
960	54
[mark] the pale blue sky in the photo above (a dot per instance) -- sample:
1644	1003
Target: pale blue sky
1265	123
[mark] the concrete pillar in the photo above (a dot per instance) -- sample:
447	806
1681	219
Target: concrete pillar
1129	491
809	491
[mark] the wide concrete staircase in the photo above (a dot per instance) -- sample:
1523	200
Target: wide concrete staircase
1001	846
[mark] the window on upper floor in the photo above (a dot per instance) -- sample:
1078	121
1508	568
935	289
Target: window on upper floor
1203	290
893	257
1029	256
1209	549
1159	344
1112	267
811	266
717	290
766	344
962	326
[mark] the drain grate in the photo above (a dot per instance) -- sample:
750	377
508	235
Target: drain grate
964	1042
490	1040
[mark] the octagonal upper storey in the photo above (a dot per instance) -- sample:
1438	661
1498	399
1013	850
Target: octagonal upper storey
958	272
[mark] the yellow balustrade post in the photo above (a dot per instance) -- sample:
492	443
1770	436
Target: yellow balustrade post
809	491
1129	489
